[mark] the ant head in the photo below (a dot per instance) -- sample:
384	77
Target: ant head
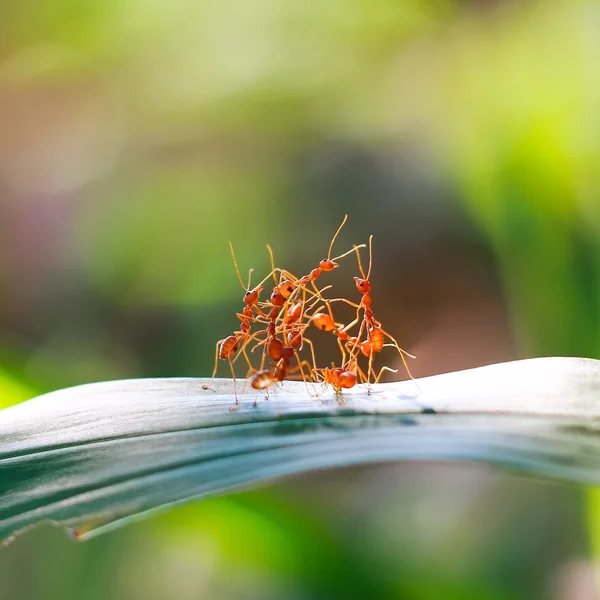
362	285
277	299
251	296
328	265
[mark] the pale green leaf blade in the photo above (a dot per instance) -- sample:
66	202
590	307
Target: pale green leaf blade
96	456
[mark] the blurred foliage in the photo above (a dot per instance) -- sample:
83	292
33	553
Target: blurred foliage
139	137
13	390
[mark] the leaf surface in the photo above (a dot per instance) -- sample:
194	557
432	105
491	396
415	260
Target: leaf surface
96	456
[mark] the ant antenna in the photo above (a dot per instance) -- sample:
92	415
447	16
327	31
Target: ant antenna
370	256
348	252
272	263
336	234
249	278
237	269
360	267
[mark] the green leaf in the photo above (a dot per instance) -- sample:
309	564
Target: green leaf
97	456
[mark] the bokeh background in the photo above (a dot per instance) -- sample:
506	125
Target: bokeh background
137	138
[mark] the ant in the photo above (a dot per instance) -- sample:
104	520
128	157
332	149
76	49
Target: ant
341	378
376	335
227	348
325	265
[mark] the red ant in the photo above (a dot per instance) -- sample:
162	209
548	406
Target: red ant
340	377
227	348
325	265
375	333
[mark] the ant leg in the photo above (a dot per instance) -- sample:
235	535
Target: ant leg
346	301
234	382
317	291
246	357
260	312
316	299
289	275
355	367
311	377
249	338
356	321
400	351
303	304
351	325
244	386
312	352
369	371
342	350
217	358
259	319
406	365
381	371
356	347
330	311
361	373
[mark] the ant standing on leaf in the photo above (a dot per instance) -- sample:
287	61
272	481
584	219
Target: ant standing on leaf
346	376
228	348
376	335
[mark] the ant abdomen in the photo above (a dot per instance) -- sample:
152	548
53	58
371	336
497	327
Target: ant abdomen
274	348
294	338
347	379
285	288
228	347
376	338
293	314
261	380
323	321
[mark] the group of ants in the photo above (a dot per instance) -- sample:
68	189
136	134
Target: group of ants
282	322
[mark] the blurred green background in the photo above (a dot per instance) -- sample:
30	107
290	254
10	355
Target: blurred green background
138	137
